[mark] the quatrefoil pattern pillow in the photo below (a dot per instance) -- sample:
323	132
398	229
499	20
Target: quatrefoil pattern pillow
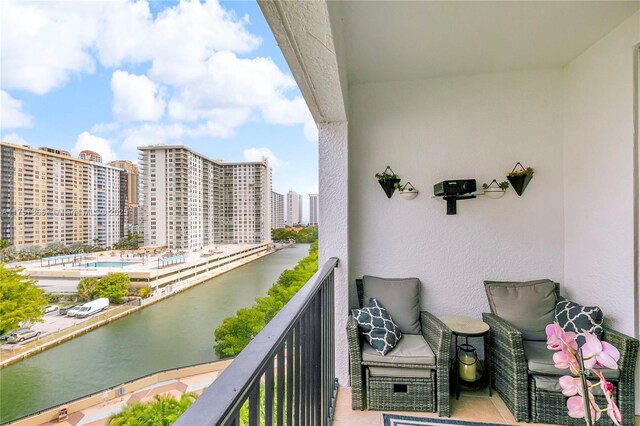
377	326
575	317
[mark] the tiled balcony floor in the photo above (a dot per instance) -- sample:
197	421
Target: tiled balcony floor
472	406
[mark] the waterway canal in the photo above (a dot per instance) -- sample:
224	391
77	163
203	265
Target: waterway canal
173	333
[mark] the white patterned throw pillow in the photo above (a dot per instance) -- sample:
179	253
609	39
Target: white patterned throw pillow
575	317
377	326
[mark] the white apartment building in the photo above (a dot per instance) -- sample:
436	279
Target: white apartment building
294	208
190	201
48	196
277	210
313	209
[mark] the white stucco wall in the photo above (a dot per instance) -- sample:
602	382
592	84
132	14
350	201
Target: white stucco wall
598	178
333	228
467	127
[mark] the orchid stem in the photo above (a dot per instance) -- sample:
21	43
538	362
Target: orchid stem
585	390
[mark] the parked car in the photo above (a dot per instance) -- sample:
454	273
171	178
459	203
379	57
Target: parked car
73	311
63	310
22	334
50	308
6	336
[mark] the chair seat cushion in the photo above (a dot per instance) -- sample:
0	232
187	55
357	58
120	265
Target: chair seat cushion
399	296
529	306
540	361
411	349
399	372
552	384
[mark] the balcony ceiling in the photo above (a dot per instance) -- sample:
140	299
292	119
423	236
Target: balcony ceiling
397	40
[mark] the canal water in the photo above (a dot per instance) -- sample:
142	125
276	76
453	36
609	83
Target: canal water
173	333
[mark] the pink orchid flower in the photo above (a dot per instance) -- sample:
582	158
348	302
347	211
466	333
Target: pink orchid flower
601	353
563	359
558	339
571	385
607	388
575	404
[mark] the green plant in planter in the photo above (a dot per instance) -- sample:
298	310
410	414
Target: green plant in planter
520	178
502	185
388	181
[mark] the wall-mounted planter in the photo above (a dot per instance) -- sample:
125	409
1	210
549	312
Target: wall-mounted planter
408	191
520	178
388	180
495	190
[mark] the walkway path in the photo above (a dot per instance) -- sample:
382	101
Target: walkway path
95	410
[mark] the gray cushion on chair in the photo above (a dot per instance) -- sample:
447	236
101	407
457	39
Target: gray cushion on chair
529	306
411	349
400	297
540	360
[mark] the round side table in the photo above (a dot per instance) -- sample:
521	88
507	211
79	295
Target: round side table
466	359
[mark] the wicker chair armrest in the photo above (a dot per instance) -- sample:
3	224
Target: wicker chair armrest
355	365
436	333
628	347
509	372
504	331
353	339
438	336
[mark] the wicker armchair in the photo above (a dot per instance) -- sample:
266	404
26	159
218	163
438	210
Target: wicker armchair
400	392
531	396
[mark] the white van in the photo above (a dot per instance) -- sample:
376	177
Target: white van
92	307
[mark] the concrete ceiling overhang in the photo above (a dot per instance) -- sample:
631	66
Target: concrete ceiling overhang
414	40
399	40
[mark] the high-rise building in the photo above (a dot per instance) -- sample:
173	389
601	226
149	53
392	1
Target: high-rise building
294	208
277	210
313	209
132	201
190	201
90	156
48	196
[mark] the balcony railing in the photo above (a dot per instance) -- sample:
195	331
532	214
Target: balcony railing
293	356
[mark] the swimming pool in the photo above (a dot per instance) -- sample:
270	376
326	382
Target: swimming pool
108	264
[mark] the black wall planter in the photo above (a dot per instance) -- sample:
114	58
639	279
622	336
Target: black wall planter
520	182
389	186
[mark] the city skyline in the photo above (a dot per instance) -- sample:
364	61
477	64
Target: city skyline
110	91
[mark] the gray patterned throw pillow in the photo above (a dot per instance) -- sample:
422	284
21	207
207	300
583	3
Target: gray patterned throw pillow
575	317
377	326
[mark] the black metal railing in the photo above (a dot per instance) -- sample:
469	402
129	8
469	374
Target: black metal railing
292	359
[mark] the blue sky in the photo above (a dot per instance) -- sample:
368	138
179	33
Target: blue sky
114	75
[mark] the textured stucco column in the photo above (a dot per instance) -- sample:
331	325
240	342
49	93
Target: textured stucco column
334	228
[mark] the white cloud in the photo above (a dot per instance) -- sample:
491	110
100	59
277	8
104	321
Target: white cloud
44	42
94	143
256	154
136	98
190	51
151	134
11	114
105	127
13	138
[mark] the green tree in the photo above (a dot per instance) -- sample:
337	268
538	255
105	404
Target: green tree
164	411
4	245
114	286
20	300
86	287
235	333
